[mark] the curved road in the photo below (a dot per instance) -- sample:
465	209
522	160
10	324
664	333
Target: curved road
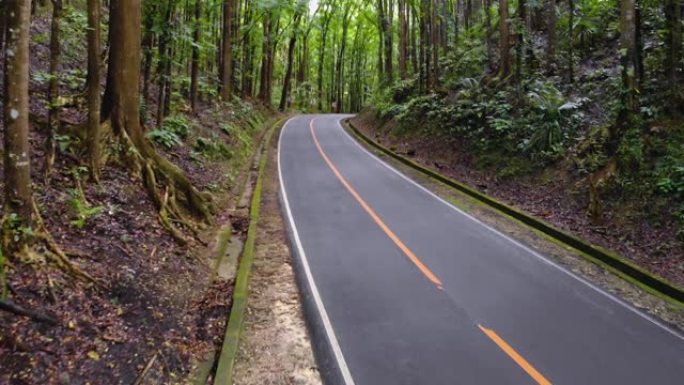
403	288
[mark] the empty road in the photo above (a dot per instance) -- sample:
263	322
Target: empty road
402	288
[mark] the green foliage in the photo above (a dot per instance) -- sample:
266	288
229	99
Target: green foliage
12	225
212	148
171	132
177	124
82	210
553	121
164	138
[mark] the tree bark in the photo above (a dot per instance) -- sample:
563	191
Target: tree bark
628	53
673	13
571	42
403	40
194	70
121	105
3	23
284	97
164	66
227	61
17	160
504	40
93	86
551	35
53	88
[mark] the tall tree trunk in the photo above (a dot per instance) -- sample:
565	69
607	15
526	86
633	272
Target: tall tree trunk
121	105
93	86
247	55
17	159
384	9
264	95
284	97
488	33
227	61
53	88
403	39
571	41
415	31
339	101
551	35
321	55
194	71
638	44
504	40
520	46
164	66
148	44
434	32
3	24
628	53
673	13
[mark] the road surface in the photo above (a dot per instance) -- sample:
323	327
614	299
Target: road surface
403	288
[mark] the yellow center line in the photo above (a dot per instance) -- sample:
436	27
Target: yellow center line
397	241
531	371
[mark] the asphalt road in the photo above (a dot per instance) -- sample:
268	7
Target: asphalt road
403	288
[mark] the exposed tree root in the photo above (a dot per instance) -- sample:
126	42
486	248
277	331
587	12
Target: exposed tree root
34	315
54	252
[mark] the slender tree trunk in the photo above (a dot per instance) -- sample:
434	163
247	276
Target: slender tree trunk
434	32
571	41
628	53
414	44
194	71
148	43
639	45
266	51
520	46
673	13
227	61
551	35
403	39
164	66
53	88
488	33
93	86
17	159
3	24
504	40
339	101
321	57
247	55
284	97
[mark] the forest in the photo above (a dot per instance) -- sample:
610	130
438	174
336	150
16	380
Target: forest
129	126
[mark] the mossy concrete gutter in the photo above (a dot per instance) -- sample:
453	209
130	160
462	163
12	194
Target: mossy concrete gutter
229	349
595	254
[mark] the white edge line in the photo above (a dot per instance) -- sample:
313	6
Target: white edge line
329	331
515	242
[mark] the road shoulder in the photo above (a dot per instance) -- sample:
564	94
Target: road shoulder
275	347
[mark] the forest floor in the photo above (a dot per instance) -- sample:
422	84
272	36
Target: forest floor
158	309
158	305
274	347
554	195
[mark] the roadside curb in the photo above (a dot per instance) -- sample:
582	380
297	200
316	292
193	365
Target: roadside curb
231	339
595	254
